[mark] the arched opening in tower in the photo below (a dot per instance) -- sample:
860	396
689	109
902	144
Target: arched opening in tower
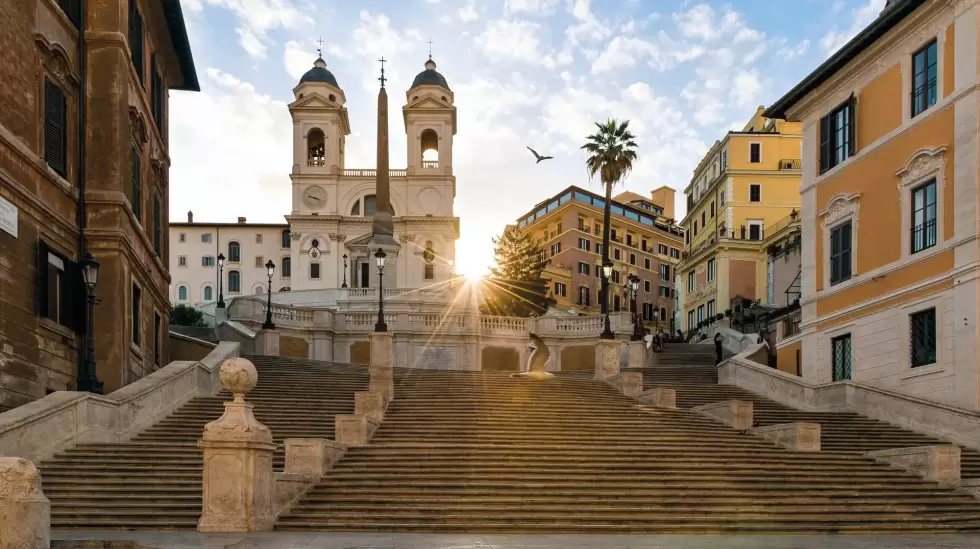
430	149
316	154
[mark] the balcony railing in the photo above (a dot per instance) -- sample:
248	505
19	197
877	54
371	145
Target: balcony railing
790	164
791	326
430	163
374	173
316	161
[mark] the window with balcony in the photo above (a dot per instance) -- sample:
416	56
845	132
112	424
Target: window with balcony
924	217
924	64
837	142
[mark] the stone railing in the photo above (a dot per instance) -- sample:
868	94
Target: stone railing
916	414
42	428
498	324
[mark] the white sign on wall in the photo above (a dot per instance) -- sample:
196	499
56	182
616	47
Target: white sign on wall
8	217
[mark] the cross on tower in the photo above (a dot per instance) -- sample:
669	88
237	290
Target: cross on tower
319	50
382	79
430	48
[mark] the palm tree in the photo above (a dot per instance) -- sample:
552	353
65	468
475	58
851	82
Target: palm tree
612	151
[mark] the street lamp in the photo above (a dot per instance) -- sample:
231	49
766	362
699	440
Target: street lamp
607	268
633	282
270	269
380	326
221	295
344	285
87	380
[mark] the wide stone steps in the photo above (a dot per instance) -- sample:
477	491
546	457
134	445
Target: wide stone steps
154	481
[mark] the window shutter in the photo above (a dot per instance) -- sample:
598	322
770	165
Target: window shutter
156	224
825	133
135	196
54	127
74	298
851	125
845	246
42	278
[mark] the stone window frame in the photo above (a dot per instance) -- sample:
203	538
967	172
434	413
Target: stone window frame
749	155
840	209
912	47
907	310
922	166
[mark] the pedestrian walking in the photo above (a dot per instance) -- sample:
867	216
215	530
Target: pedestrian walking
718	339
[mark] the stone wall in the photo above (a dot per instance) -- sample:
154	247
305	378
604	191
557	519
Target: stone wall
187	348
496	358
578	358
293	346
360	352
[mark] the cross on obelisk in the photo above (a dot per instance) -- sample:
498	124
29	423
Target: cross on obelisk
382	79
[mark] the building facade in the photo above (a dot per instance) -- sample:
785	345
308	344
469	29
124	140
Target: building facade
644	241
889	217
84	168
746	186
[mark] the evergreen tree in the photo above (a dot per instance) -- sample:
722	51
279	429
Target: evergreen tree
182	315
515	286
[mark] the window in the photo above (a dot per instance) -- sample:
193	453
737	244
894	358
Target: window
55	128
72	9
632	259
755	230
182	293
234	282
924	217
583	268
711	310
314	271
646	286
135	319
61	290
617	305
644	245
924	79
560	290
629	239
837	135
234	252
840	348
923	337
182	261
663	313
207	293
695	227
648	311
207	261
370	205
584	244
675	253
157	224
840	253
755	153
664	271
724	160
258	238
664	291
721	198
704	219
583	296
647	263
617	254
712	209
156	338
615	277
285	239
430	271
182	237
136	180
661	249
711	270
259	262
690	319
598	248
690	281
556	248
158	95
755	192
700	314
206	238
136	39
285	271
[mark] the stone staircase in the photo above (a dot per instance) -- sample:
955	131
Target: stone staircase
153	482
482	452
690	370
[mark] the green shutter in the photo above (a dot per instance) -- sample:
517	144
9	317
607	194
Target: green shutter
54	127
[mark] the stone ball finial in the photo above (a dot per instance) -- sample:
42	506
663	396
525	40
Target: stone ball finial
19	479
238	376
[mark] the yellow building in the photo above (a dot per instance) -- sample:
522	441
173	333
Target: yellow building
890	202
745	186
644	242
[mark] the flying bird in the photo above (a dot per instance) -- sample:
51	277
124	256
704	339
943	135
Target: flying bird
538	156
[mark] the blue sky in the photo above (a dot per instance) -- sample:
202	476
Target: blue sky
524	72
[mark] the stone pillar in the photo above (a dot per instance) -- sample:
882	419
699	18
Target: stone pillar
382	353
370	404
637	354
799	437
659	397
25	514
607	365
267	342
312	456
939	463
238	482
737	414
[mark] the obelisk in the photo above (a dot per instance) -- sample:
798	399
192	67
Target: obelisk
382	231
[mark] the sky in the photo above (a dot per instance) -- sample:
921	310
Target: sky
534	73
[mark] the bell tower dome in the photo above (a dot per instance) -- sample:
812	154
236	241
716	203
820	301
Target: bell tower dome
320	122
430	123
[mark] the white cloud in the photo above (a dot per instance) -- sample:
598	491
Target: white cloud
251	43
468	12
702	22
789	52
537	7
746	87
373	38
580	10
519	40
298	59
861	17
446	20
192	5
661	53
257	17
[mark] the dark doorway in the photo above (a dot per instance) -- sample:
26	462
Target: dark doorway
365	273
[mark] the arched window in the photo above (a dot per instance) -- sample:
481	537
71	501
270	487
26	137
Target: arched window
234	282
430	148
259	290
370	205
182	293
429	256
207	293
287	268
316	149
356	208
286	240
234	252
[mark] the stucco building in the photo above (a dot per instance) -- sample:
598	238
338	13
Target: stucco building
889	216
745	187
84	168
645	242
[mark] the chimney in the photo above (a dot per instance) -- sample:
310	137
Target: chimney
241	220
190	217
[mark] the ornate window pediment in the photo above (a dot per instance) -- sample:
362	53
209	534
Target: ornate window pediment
923	167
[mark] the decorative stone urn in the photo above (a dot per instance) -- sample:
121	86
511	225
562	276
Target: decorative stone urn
25	514
239	487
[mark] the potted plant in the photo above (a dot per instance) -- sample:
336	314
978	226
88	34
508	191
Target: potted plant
728	313
719	316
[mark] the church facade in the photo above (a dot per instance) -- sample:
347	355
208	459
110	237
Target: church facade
333	205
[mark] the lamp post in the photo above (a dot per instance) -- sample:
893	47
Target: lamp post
607	268
380	326
270	269
344	284
87	380
633	283
221	266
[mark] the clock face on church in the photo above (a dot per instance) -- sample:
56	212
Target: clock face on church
315	197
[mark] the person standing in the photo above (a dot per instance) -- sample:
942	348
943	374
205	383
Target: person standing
718	338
